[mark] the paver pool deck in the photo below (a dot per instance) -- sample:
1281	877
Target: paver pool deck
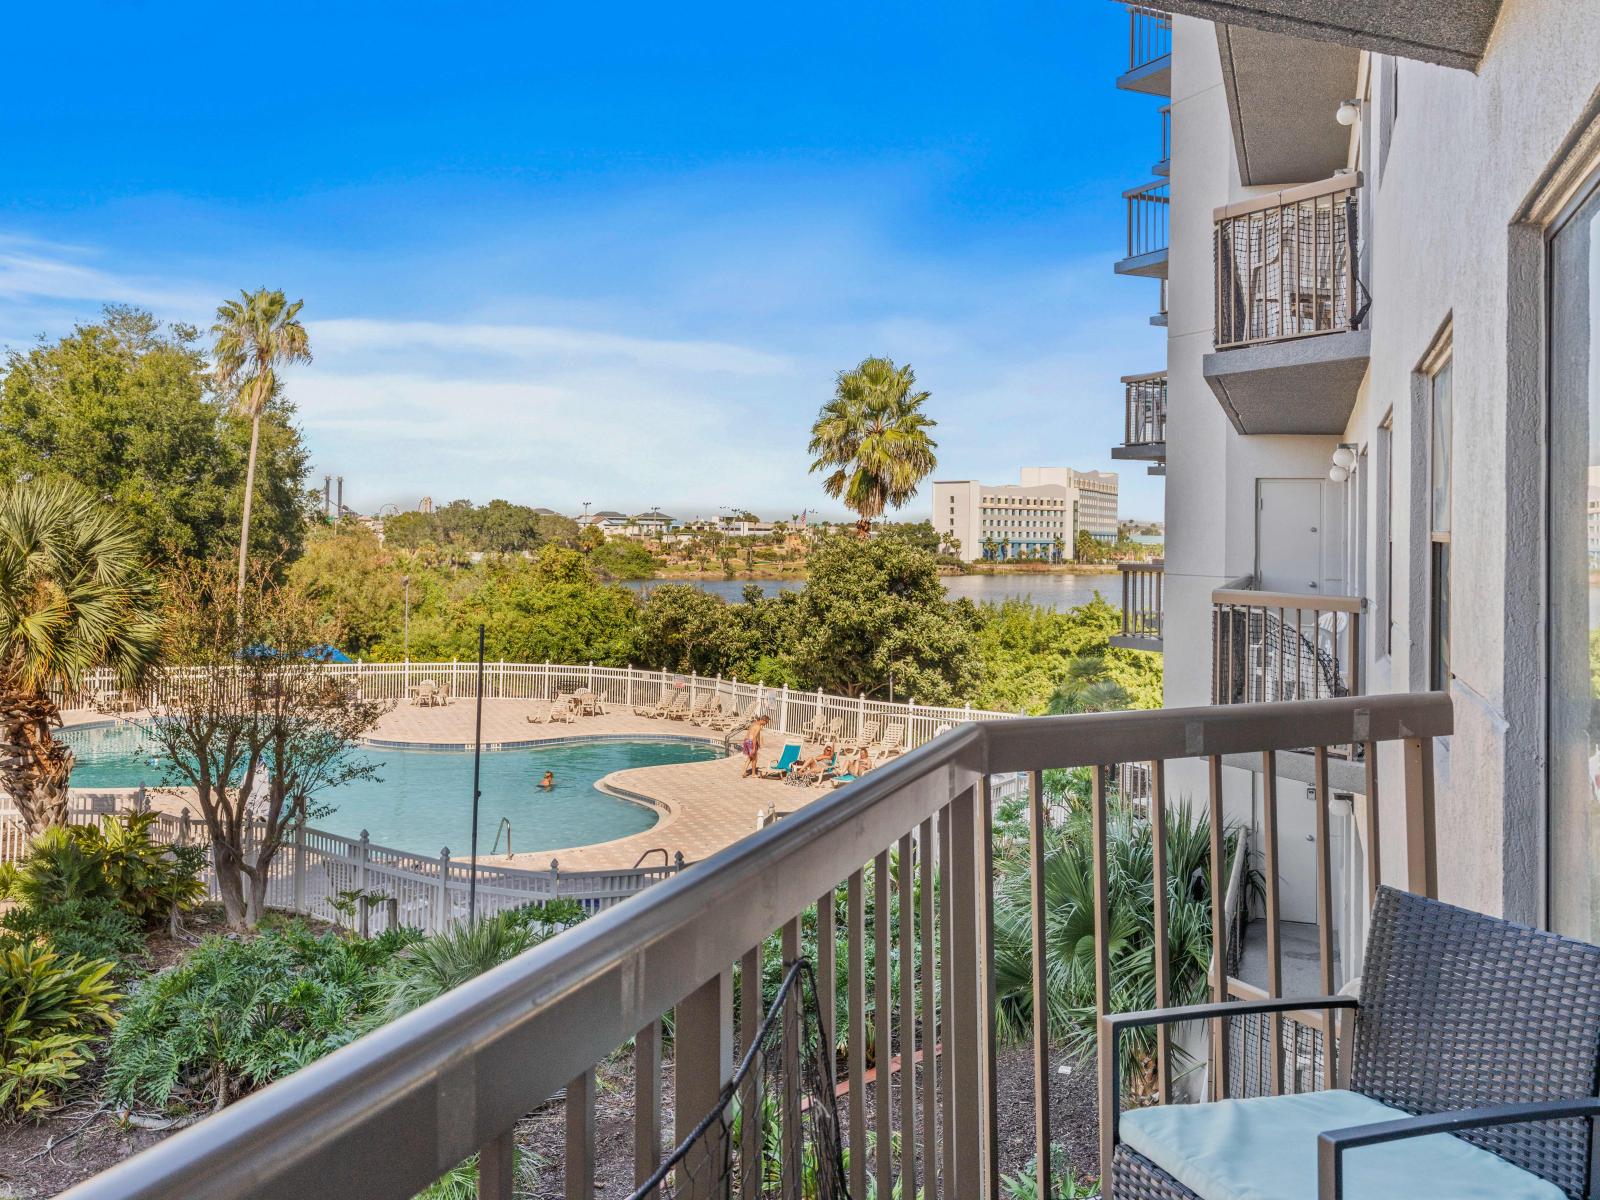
702	806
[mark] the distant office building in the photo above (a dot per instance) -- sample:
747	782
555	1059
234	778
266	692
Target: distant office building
1097	496
1040	518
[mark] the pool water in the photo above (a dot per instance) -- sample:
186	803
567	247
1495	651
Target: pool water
421	800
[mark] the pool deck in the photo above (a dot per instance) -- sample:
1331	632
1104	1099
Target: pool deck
703	806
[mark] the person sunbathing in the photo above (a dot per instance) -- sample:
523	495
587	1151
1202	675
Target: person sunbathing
818	762
858	763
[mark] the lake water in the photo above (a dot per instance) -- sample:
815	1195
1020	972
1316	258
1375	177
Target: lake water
1052	591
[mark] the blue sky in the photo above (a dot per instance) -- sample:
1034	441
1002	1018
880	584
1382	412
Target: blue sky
605	252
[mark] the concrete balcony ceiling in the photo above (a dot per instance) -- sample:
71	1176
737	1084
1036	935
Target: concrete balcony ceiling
1152	265
1283	93
1451	33
1153	78
1302	385
1141	452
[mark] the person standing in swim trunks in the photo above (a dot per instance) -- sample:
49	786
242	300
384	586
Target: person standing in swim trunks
752	744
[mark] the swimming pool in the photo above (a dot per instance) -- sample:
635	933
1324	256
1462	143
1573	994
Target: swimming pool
421	800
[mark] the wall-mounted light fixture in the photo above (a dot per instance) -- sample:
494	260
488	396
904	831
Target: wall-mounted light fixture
1349	112
1344	461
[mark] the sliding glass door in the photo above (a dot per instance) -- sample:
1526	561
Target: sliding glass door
1574	651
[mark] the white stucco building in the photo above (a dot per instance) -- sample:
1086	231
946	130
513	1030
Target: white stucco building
1039	518
1372	233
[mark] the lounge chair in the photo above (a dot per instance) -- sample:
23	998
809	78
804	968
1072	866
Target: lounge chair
1466	1025
663	701
703	708
680	710
779	767
867	734
730	719
813	730
892	742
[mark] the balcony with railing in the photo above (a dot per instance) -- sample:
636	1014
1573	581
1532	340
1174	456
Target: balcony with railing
1144	437
1291	349
1149	52
1272	646
876	1060
1149	206
1141	606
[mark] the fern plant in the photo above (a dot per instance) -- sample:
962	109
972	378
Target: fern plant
235	1015
52	1009
91	928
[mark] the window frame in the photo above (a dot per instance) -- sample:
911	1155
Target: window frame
1439	361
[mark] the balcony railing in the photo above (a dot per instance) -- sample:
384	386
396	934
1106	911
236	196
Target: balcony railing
1141	605
1149	36
1148	208
1146	399
1271	646
1286	264
396	1109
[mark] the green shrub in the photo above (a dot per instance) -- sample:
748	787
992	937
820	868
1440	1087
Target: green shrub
117	861
1069	926
52	1008
431	967
1024	1185
61	867
235	1015
91	928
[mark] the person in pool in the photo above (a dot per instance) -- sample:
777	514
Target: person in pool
752	744
549	780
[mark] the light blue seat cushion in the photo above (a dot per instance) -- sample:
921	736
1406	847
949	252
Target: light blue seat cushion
1266	1149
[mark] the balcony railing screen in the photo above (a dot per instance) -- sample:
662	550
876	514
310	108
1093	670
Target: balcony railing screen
1286	271
1147	411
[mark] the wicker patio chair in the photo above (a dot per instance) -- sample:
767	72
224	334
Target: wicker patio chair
1466	1025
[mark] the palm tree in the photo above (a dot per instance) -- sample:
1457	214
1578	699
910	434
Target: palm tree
1086	688
872	438
990	547
75	593
255	335
1058	547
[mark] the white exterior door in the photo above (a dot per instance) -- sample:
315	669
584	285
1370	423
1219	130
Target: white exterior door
1300	536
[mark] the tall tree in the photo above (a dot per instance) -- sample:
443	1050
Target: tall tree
252	723
256	334
123	406
75	593
872	439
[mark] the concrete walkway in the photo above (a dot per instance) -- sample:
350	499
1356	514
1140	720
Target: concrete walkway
703	806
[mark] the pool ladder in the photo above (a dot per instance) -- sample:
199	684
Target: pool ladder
504	827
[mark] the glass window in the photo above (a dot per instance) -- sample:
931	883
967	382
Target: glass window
1574	574
1439	397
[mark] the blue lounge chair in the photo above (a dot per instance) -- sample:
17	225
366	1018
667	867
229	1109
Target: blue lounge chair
787	759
